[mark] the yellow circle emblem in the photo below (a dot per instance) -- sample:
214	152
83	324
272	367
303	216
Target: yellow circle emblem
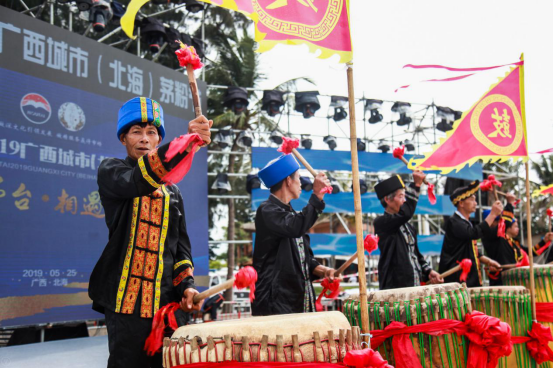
498	124
292	27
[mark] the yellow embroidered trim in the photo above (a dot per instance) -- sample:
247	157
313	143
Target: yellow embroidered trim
475	251
463	196
144	109
182	262
400	180
164	228
125	274
146	175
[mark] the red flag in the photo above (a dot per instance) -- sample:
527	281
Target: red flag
320	24
494	129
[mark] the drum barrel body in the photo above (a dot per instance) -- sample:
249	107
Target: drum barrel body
414	306
512	306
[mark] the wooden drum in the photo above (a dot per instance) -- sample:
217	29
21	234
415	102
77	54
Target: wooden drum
512	306
417	305
309	337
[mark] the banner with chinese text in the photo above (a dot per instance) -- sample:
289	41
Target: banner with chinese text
59	97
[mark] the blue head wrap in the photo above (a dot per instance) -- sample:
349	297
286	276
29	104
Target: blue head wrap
140	110
278	169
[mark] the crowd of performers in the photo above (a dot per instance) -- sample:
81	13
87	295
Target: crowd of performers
147	262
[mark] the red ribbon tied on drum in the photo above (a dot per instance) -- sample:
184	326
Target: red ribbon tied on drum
370	243
366	358
538	346
330	291
288	144
490	339
246	277
188	55
155	339
178	146
465	265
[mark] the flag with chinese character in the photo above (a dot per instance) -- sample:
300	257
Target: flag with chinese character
544	190
322	25
494	129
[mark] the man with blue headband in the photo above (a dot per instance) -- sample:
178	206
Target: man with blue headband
282	256
147	262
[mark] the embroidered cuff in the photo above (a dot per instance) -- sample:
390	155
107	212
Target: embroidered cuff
147	172
189	272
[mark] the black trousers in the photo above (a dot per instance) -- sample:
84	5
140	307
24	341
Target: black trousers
127	334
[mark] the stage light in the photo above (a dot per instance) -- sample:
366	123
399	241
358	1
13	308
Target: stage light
408	145
276	137
307	103
194	6
84	5
118	11
363	188
361	145
272	102
383	146
236	99
372	106
336	187
245	139
306	142
223	138
448	117
330	141
252	182
153	32
306	184
221	184
339	103
403	109
100	15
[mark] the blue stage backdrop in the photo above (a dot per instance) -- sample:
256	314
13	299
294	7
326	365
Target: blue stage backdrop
59	98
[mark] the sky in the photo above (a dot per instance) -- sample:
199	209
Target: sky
388	34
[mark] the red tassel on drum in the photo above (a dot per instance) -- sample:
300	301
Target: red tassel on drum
154	342
178	146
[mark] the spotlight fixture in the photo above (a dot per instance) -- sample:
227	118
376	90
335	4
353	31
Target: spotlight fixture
221	184
363	188
403	109
307	103
153	32
272	102
83	5
448	117
339	103
331	142
336	187
252	182
383	146
245	139
223	138
306	184
236	99
100	15
408	145
194	6
361	145
373	105
276	137
306	142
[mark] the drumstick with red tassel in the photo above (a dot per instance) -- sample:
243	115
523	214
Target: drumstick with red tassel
465	265
189	59
488	185
398	154
289	146
246	277
332	289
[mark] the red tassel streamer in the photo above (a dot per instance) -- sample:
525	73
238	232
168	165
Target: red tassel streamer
155	339
179	145
246	277
431	195
188	55
550	213
327	190
288	144
330	290
367	358
466	265
399	152
370	243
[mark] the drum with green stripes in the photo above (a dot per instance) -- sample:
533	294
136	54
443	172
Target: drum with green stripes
417	305
511	304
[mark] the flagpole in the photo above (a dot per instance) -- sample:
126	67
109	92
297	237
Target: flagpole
357	206
529	243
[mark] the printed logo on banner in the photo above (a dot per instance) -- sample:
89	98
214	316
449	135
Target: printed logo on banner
71	116
35	108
